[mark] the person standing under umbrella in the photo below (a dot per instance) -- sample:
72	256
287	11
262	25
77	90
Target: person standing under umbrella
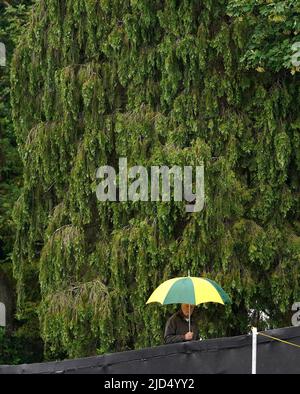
187	291
178	327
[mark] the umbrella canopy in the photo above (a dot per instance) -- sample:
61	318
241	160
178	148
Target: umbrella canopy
189	290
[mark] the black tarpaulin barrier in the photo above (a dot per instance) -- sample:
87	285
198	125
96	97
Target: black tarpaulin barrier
215	356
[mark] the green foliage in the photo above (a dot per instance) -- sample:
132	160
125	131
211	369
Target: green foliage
161	83
12	18
23	344
270	28
18	349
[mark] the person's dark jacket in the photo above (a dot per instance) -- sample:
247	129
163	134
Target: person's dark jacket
177	327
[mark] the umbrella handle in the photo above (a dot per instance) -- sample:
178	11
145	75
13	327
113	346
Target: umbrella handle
189	274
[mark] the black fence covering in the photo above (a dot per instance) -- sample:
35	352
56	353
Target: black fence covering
215	356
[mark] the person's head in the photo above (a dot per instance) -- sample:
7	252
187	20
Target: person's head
186	308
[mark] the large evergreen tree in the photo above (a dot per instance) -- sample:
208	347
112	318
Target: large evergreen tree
159	82
18	343
10	163
13	16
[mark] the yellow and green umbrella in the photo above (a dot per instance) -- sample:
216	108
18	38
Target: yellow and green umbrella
189	290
